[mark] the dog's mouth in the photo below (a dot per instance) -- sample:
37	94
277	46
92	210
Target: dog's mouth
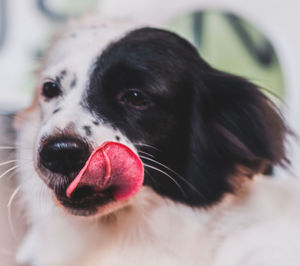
113	173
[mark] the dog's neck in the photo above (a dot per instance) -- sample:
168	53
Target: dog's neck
150	224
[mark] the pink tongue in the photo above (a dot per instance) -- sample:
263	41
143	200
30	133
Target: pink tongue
112	165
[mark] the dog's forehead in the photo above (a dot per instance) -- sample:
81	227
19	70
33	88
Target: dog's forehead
79	46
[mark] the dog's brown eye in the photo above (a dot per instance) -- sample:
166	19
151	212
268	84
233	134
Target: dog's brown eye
135	98
51	90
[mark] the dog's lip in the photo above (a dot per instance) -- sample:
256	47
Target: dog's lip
111	166
99	209
87	205
99	199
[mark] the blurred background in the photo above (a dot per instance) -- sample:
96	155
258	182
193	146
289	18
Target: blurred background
225	39
257	40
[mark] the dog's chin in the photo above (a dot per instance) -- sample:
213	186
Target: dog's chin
95	211
90	208
84	202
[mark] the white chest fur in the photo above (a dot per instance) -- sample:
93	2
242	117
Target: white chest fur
259	228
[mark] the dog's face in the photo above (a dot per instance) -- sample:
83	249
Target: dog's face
195	129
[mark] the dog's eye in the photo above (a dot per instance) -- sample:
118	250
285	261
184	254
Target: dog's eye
51	89
135	98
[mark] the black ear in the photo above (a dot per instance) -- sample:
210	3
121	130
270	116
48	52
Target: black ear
235	131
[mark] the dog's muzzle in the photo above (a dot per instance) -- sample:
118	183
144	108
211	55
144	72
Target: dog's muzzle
84	180
64	156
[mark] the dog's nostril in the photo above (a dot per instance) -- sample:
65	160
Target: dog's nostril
63	155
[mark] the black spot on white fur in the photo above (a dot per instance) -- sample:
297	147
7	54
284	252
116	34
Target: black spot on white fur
61	76
96	123
63	73
118	138
87	130
56	110
58	80
203	124
73	82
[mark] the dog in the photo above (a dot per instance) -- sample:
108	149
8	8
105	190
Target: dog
198	141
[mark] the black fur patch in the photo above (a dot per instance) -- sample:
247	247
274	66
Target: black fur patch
202	127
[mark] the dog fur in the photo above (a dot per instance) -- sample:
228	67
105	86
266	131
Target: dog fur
213	132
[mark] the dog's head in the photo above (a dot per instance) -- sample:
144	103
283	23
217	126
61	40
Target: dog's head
196	129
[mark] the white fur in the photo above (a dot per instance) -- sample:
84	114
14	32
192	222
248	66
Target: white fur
257	227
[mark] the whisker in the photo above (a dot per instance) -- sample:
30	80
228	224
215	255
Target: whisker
146	145
23	147
166	174
9	204
166	167
7	148
8	171
41	191
175	173
146	153
153	180
8	162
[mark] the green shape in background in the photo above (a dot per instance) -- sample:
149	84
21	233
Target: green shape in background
223	49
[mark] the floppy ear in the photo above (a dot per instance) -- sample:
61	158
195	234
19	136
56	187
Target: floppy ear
235	131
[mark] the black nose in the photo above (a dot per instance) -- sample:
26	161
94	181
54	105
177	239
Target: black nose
64	155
